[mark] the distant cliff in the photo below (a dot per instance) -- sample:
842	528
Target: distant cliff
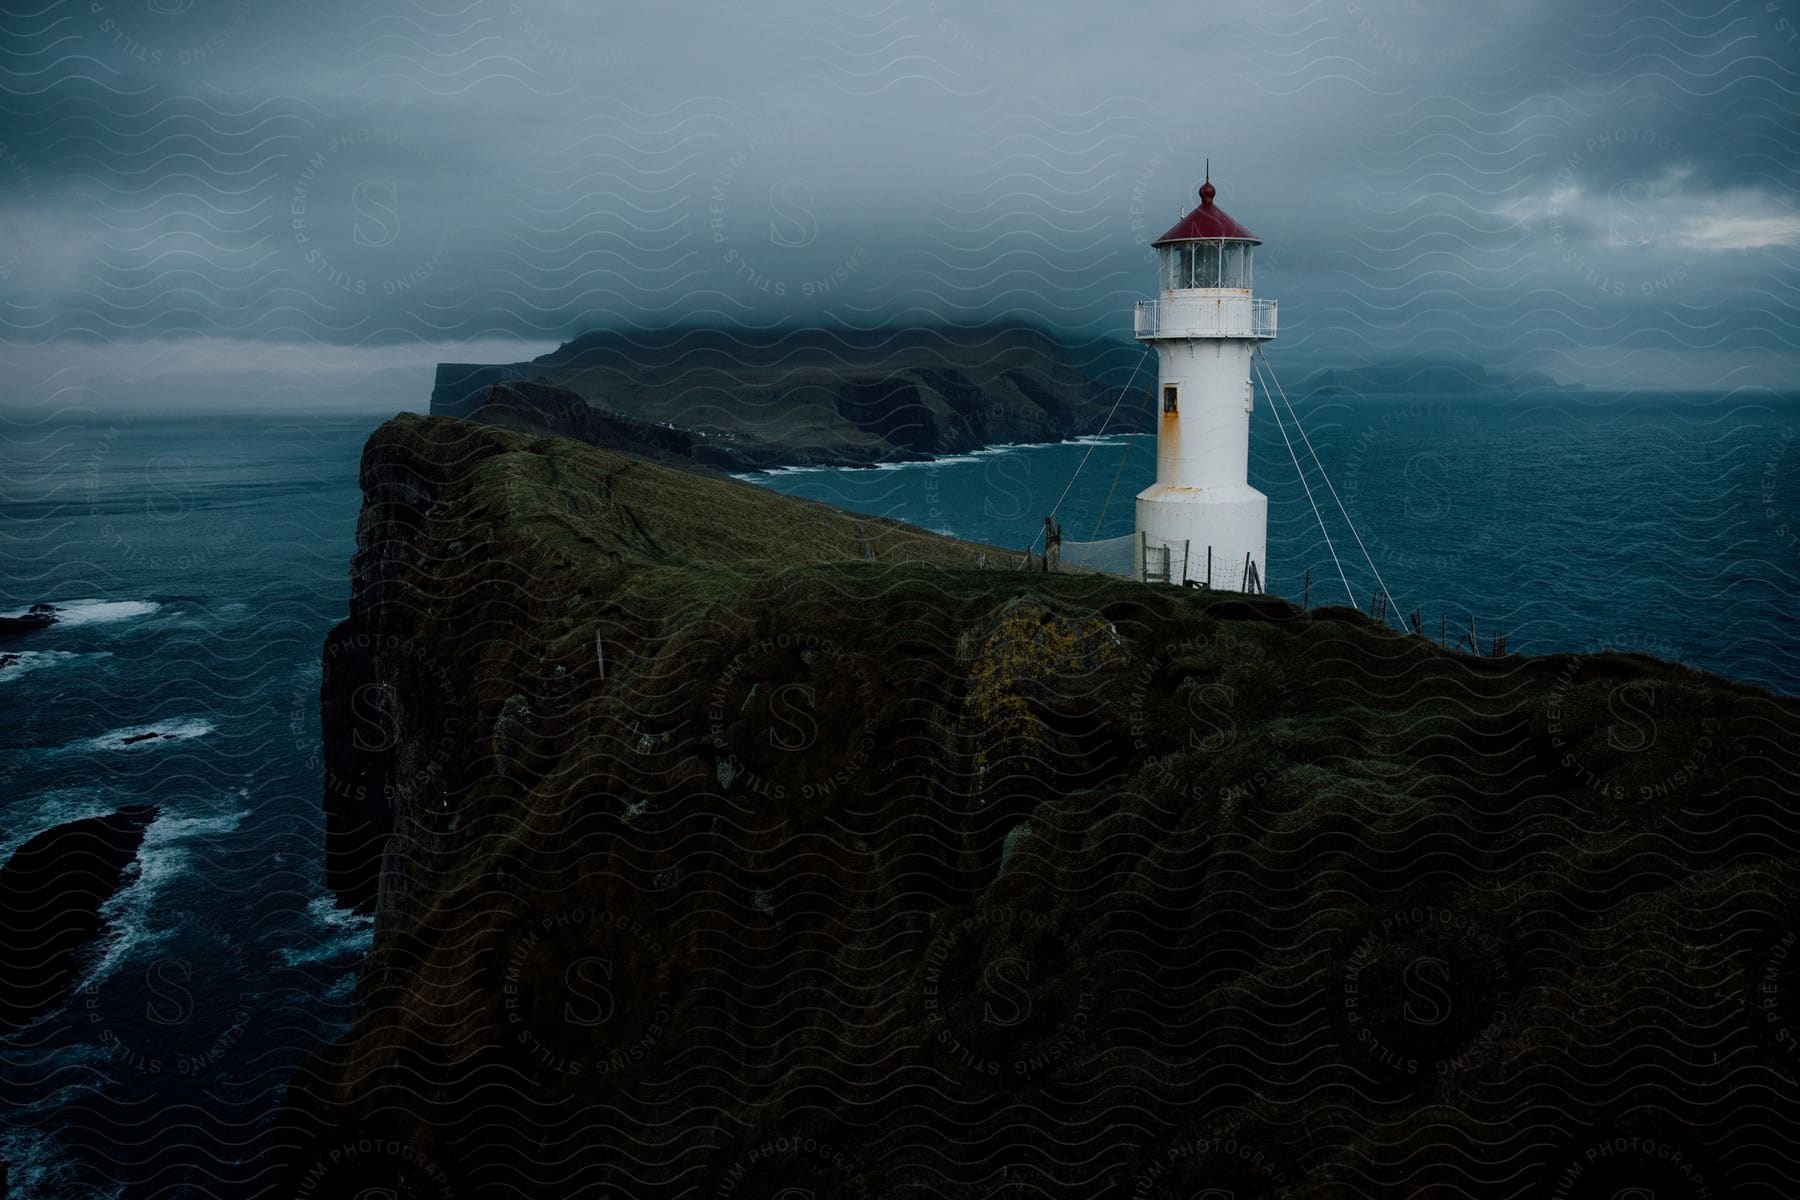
748	399
729	843
1427	376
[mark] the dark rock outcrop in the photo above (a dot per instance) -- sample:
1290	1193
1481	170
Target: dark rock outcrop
51	890
727	858
38	616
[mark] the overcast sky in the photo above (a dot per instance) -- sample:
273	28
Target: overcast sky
1603	189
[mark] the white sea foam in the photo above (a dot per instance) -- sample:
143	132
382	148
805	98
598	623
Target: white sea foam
53	808
944	460
165	855
755	476
96	612
352	933
344	945
141	737
947	460
326	911
23	662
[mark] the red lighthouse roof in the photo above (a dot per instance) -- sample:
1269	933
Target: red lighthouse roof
1206	222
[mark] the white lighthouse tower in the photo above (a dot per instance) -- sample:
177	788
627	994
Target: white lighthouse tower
1201	520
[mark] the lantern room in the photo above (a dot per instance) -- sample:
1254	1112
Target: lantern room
1207	250
1184	266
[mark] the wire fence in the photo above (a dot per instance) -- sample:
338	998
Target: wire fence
1108	556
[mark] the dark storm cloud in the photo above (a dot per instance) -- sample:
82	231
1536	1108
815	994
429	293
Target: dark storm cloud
1539	184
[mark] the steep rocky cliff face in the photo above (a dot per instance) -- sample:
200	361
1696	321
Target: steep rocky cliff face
748	399
742	847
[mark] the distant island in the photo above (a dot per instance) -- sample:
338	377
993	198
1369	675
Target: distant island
744	400
1426	376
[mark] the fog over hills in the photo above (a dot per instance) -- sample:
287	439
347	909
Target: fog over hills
1602	193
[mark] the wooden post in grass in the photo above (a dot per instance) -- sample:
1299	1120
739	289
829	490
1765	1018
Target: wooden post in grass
1209	568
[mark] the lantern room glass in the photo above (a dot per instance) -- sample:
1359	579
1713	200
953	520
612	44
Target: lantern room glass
1231	265
1206	264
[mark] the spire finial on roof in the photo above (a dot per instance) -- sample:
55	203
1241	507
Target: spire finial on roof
1207	223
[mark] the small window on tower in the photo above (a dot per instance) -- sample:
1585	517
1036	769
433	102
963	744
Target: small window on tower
1169	398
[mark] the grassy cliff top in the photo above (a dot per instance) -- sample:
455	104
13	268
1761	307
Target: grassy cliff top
730	825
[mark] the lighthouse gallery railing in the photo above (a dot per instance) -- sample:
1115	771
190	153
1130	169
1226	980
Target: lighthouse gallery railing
1205	316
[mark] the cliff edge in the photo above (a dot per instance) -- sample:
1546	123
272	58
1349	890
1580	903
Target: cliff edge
729	843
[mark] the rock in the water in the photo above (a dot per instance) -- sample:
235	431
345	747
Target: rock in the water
51	891
38	616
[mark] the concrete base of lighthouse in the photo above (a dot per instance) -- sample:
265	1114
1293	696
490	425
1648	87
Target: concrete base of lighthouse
1232	521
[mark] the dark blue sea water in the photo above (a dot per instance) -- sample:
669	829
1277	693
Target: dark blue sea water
201	562
204	559
1668	524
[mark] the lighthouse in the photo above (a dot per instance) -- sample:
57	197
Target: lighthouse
1201	520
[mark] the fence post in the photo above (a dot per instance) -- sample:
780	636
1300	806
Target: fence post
1244	586
1306	594
1209	568
1184	557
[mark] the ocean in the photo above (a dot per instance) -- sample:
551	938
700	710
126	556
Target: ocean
201	560
1668	524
